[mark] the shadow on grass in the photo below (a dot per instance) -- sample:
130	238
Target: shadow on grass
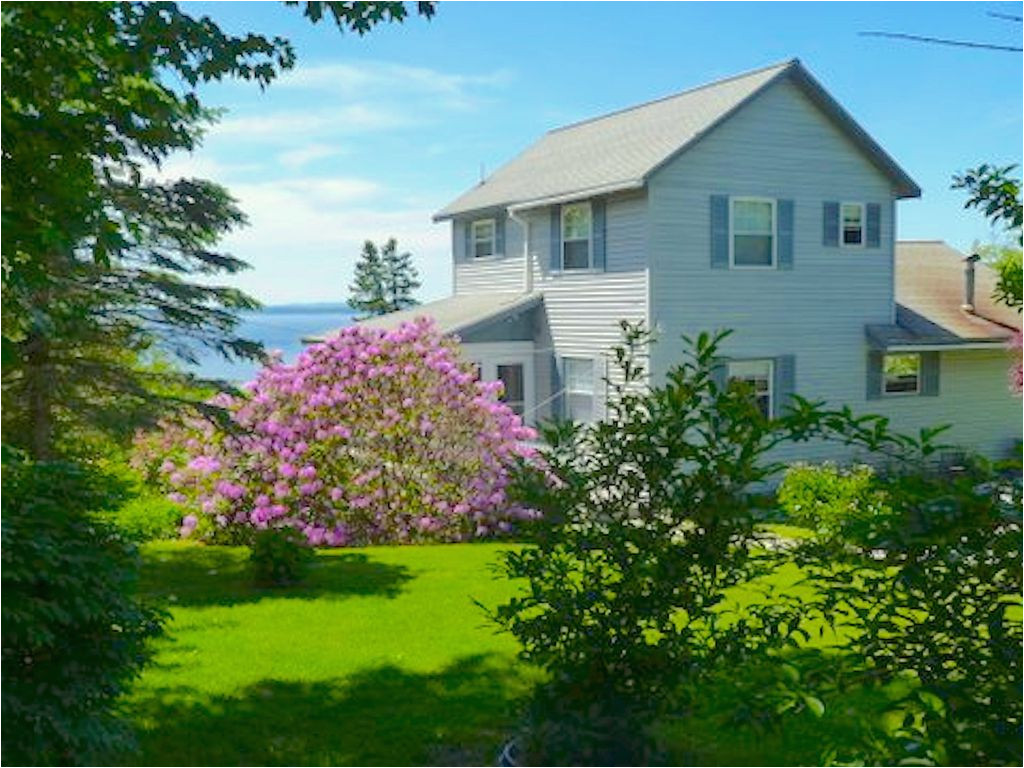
384	716
200	576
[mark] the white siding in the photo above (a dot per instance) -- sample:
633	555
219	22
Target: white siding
502	272
583	310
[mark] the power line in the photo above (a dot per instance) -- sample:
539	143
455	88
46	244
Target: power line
1006	16
942	41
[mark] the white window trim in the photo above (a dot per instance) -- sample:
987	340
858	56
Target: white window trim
775	233
473	239
904	393
590	239
863	224
771	376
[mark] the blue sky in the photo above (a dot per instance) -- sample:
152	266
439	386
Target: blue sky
369	136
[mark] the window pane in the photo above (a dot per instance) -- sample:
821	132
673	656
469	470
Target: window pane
576	222
752	250
483	230
576	255
752	217
579	375
580	408
756	376
483	248
512	377
902	373
853	224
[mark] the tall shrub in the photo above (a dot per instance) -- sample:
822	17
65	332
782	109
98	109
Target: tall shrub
645	524
371	436
74	634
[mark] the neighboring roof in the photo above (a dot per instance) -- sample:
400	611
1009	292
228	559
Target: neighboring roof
620	150
930	296
454	314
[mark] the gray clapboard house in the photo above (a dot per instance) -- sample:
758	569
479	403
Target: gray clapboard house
754	203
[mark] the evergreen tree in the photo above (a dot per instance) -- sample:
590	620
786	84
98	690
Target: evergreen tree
400	277
368	293
385	280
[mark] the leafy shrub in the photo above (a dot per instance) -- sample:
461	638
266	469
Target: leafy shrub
646	522
147	518
74	635
827	498
371	436
280	556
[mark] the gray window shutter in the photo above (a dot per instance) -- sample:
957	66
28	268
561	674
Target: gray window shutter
556	238
597	209
830	224
499	233
785	383
874	383
719	232
873	225
785	226
557	407
930	373
467	239
720	373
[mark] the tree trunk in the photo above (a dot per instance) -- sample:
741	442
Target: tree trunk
39	396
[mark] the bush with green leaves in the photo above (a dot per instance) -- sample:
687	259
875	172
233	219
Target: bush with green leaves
646	523
827	498
149	517
930	597
280	556
74	634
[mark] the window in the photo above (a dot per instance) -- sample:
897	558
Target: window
576	236
753	232
579	388
514	396
483	238
757	375
901	374
851	223
477	370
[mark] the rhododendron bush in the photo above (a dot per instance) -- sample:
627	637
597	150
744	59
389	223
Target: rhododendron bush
371	436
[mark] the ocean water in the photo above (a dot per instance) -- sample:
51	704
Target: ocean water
278	328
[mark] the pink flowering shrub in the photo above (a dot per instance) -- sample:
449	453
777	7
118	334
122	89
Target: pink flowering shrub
371	436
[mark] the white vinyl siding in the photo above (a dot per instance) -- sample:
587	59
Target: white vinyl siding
505	272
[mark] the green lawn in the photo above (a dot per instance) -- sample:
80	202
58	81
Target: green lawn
382	658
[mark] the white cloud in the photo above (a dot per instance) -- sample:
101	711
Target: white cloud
374	78
303	156
286	126
305	235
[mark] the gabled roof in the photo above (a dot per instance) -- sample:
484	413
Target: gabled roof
620	150
929	302
454	314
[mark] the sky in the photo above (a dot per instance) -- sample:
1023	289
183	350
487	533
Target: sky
368	136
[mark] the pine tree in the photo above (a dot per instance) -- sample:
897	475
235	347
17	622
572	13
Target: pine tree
400	277
368	292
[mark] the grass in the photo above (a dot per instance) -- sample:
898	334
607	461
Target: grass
383	658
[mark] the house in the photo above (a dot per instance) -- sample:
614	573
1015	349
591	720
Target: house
754	203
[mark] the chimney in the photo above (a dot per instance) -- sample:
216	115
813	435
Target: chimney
969	262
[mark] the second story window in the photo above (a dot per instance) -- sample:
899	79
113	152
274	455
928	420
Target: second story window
753	232
483	237
851	223
576	236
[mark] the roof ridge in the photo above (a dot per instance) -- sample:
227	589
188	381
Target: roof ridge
781	65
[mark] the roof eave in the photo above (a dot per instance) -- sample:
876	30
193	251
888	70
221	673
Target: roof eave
628	185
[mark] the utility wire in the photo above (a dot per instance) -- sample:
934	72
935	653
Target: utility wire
1005	16
942	41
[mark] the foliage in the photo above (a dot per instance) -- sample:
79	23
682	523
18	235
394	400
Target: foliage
385	280
371	436
646	523
995	192
1010	281
944	578
828	499
101	260
150	517
74	635
280	557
